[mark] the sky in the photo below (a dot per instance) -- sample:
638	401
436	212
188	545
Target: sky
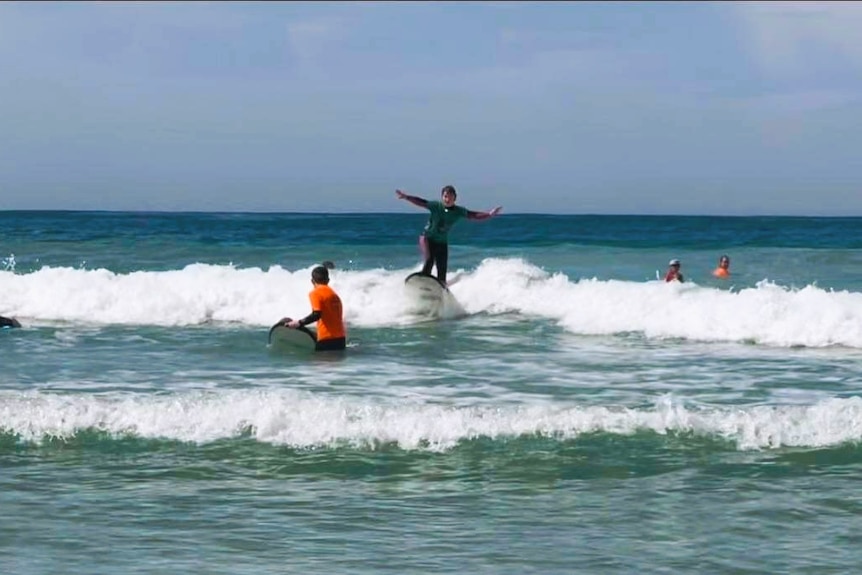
683	108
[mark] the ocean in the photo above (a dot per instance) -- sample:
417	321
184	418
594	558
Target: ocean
576	415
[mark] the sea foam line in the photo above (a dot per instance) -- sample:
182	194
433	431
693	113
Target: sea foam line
304	420
765	313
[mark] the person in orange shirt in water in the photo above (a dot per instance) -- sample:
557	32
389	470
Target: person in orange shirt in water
723	269
326	310
673	272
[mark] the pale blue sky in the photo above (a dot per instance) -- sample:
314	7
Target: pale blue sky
641	108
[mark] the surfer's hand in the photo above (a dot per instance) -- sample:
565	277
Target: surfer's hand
401	195
495	211
293	324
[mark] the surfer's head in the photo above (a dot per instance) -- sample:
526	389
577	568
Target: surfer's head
449	195
320	275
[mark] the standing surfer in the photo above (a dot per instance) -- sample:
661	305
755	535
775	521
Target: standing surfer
434	240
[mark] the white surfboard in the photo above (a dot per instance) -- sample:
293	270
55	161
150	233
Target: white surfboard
430	296
281	336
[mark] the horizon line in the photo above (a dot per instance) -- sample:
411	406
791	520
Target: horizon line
373	213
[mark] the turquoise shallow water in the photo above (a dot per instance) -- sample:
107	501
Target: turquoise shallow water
575	415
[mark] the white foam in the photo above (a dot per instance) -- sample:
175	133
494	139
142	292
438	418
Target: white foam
304	420
766	313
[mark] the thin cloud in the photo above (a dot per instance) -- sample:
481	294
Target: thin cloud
782	35
799	103
312	41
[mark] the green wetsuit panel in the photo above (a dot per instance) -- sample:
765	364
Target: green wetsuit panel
441	220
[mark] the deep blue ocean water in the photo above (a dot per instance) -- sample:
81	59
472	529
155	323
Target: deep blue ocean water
573	414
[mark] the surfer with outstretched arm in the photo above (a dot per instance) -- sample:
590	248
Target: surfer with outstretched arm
434	240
